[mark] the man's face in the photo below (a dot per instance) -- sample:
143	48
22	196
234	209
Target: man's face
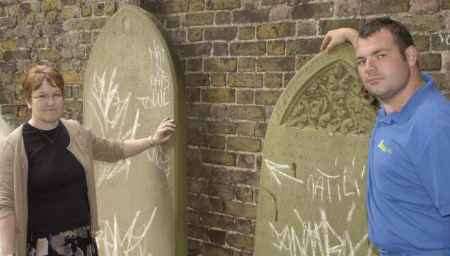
383	69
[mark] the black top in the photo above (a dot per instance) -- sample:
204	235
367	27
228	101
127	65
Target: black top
57	190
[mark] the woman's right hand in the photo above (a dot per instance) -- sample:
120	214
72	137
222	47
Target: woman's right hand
338	36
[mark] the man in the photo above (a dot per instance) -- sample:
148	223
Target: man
408	192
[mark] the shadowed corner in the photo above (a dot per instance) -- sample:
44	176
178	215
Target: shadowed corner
272	196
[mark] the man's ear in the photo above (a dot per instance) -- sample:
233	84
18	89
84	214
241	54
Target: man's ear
412	55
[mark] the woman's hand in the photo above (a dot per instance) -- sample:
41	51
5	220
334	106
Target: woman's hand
339	36
164	131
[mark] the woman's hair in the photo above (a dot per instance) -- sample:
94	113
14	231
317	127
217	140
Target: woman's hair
37	74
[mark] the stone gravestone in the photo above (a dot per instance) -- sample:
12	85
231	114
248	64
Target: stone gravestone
130	86
312	185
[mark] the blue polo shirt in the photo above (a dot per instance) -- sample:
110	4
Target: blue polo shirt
408	187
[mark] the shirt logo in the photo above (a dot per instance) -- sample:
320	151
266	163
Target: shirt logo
384	148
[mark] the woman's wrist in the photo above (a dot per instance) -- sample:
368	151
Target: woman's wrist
151	141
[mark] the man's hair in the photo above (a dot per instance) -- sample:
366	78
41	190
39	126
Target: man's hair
37	74
399	32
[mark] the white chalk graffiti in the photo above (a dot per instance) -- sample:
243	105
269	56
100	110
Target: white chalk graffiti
159	156
319	184
279	170
115	242
444	38
110	111
158	80
316	238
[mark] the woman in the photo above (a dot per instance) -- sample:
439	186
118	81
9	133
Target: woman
47	191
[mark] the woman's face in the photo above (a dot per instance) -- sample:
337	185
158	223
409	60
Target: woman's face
47	106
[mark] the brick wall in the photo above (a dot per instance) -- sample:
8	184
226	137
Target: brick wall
237	57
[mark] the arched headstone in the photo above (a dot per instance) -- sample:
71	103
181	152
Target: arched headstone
130	86
312	185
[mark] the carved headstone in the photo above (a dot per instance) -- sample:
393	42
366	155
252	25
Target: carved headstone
130	86
312	185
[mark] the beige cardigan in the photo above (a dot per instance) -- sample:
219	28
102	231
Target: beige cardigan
85	146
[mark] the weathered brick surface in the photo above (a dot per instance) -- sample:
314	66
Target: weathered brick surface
275	64
345	8
422	23
197	19
195	65
223	18
422	42
246	64
445	4
219	157
237	57
196	80
174	6
327	25
240	241
243	144
245	97
195	34
303	46
247	33
222	4
384	6
245	80
306	28
430	62
280	12
440	41
221	64
196	5
218	79
267	31
267	97
194	50
218	95
424	6
251	16
221	33
248	49
273	80
312	10
220	49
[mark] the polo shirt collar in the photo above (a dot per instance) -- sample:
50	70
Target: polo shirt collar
408	110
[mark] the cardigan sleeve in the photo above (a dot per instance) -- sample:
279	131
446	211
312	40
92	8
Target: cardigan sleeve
107	150
7	217
6	179
102	149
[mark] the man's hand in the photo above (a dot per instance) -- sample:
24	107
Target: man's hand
339	36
